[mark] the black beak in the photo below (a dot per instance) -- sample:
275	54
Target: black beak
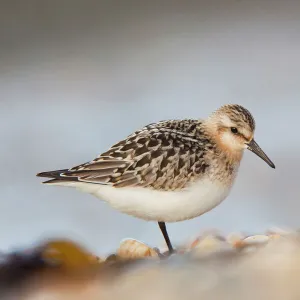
253	146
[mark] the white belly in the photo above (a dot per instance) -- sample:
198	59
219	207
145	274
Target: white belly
166	206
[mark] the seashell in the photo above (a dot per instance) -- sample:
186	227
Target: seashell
211	234
133	249
208	244
256	239
252	242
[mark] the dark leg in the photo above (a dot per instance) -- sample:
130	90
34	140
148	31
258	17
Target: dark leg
163	229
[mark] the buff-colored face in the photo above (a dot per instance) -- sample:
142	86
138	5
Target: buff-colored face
234	135
234	129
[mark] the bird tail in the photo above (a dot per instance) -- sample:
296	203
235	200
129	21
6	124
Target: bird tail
56	176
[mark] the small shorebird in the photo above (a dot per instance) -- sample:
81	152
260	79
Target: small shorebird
169	171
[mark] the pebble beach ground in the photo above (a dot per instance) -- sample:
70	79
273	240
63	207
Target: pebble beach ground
209	266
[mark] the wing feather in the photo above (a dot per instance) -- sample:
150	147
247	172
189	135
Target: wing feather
164	156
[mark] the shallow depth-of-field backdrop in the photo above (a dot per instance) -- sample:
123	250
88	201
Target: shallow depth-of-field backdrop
77	76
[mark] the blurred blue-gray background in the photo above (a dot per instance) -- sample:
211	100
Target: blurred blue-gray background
77	76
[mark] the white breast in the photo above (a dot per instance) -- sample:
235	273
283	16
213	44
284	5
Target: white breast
166	206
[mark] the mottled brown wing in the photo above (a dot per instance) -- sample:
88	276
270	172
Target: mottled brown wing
102	170
159	156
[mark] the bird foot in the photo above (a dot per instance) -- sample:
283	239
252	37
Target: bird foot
166	254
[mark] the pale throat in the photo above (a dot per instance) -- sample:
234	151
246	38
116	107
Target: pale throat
233	154
229	146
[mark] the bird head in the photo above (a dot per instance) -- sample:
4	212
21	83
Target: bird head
233	128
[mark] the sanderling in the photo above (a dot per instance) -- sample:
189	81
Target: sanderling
169	171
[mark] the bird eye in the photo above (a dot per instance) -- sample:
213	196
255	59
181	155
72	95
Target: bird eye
234	130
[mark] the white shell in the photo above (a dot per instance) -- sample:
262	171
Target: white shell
133	249
252	243
256	239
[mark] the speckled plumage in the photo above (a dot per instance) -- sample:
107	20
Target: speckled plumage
167	155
